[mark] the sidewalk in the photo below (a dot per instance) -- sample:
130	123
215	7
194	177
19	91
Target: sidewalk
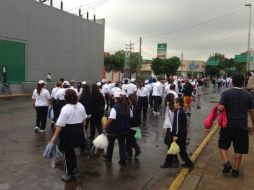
207	171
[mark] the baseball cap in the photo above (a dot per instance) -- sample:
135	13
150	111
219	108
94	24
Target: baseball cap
117	94
84	83
146	81
41	82
98	83
67	83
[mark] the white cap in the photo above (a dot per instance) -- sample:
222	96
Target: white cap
133	80
84	83
98	83
67	83
117	94
146	81
104	81
41	82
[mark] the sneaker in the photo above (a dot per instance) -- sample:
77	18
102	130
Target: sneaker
154	112
43	131
36	129
68	178
235	173
122	163
137	153
158	113
227	168
185	165
165	165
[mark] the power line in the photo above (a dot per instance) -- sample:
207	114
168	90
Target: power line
95	6
84	5
194	25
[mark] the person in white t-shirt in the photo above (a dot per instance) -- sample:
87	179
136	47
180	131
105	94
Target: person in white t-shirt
54	100
106	92
41	100
131	88
172	90
143	94
157	96
70	130
115	89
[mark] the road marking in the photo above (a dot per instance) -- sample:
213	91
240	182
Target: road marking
175	185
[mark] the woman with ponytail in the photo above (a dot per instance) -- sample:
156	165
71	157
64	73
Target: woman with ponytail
41	100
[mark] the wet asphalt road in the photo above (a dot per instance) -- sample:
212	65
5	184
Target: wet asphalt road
23	167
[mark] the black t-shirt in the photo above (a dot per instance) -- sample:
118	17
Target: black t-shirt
237	102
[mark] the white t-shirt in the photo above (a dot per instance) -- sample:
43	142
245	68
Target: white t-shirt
131	88
76	90
105	89
42	98
149	87
60	94
113	113
54	92
143	92
157	89
173	92
114	90
71	114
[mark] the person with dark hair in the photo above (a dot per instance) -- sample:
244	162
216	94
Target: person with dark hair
171	160
61	80
41	100
187	93
105	90
54	101
115	89
179	131
69	129
237	102
79	89
84	100
117	127
143	95
97	111
135	123
60	98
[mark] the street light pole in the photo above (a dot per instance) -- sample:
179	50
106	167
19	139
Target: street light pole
248	53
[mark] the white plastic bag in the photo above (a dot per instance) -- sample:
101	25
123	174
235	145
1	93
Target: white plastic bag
101	141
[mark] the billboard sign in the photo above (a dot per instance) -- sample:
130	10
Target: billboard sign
162	50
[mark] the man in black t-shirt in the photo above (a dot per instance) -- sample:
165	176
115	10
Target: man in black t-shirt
237	103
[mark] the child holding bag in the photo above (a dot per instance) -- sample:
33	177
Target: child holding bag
171	160
179	131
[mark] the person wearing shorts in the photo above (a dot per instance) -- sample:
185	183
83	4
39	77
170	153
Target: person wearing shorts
187	93
237	102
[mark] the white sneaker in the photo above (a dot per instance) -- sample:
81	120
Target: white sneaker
36	129
43	131
158	113
154	112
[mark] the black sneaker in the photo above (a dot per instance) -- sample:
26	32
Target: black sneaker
137	153
227	168
122	163
189	165
235	173
165	165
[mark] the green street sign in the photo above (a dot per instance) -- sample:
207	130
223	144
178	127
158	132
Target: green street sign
162	47
243	58
213	62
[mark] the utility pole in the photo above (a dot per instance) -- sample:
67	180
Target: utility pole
129	47
248	53
140	60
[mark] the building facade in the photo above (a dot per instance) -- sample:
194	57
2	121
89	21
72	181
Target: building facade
36	39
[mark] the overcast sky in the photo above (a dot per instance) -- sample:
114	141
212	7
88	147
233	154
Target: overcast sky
130	19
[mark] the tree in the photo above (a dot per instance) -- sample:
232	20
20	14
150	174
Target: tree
171	65
134	62
114	62
165	66
157	65
212	70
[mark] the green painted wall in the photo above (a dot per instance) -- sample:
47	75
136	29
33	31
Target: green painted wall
12	55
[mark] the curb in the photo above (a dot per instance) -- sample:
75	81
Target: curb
14	96
175	185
